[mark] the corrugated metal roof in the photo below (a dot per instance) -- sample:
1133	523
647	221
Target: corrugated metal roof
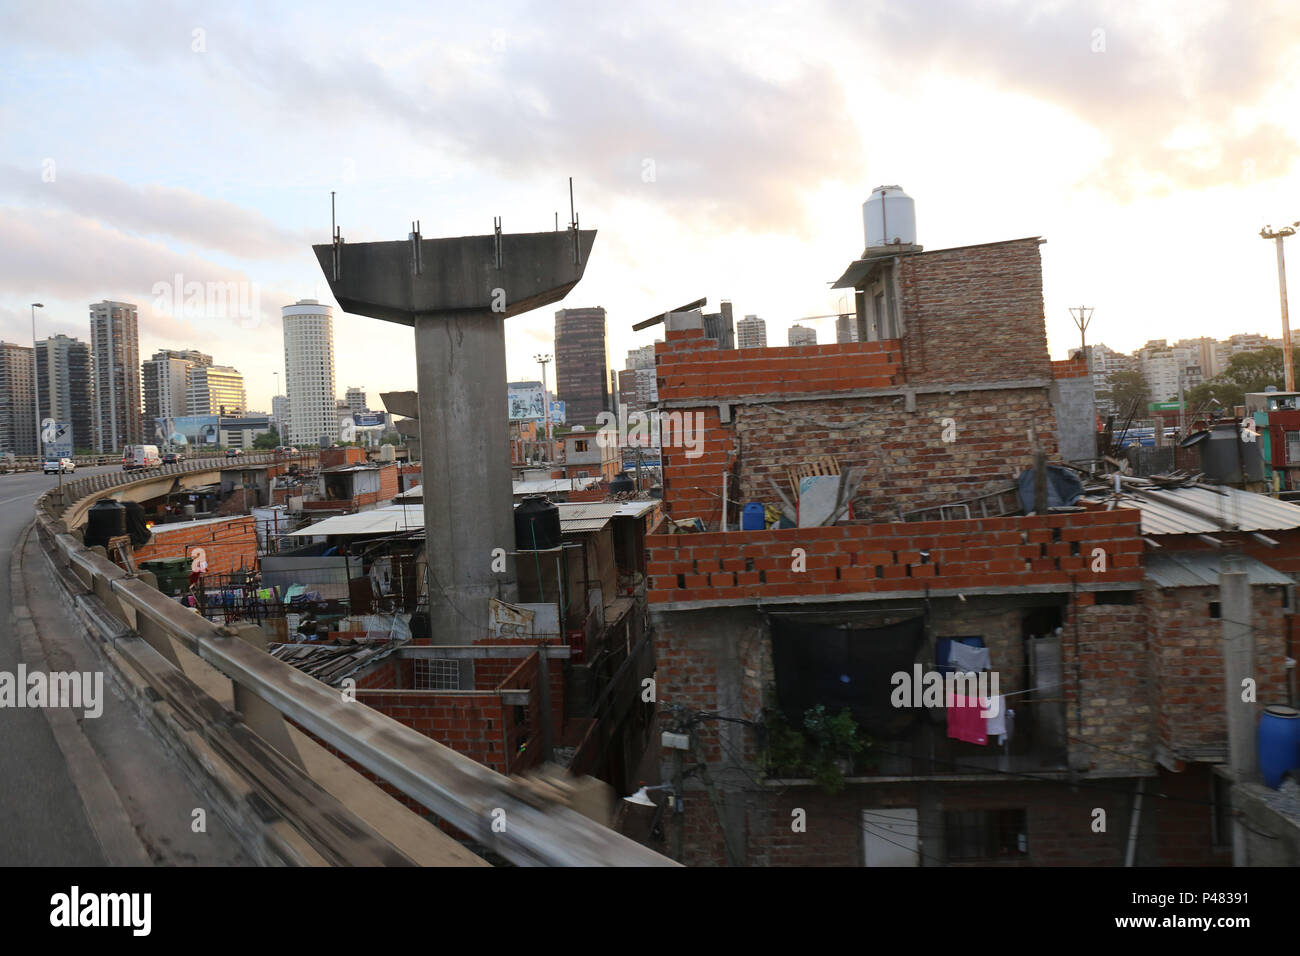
387	520
1201	510
574	517
1198	570
174	526
551	486
587	510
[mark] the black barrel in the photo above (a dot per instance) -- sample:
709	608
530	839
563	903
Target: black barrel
621	483
105	520
537	524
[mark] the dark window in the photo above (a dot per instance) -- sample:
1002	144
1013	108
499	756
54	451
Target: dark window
1214	610
1115	597
985	835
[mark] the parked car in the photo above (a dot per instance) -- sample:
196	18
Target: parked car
173	458
234	452
55	466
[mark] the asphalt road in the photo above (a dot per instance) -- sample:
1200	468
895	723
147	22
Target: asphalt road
42	819
141	804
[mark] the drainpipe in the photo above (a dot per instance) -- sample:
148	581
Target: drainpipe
1131	852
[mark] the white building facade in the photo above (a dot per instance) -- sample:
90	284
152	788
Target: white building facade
309	373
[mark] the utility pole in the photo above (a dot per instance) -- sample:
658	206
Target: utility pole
1238	666
1277	235
36	392
546	403
1082	316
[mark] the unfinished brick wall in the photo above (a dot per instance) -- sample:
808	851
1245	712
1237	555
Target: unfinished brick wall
690	365
469	722
1187	651
1070	368
228	545
974	314
904	458
872	558
1106	645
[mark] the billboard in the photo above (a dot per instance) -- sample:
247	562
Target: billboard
526	401
57	438
557	413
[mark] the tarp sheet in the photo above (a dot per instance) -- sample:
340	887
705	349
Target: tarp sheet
841	666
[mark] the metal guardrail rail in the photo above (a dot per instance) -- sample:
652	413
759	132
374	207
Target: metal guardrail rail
523	823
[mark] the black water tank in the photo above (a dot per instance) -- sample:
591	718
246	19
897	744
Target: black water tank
537	524
621	484
106	519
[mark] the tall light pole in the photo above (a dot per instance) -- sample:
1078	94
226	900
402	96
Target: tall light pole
546	403
36	391
1277	235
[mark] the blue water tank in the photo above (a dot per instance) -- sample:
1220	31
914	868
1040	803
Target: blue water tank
753	518
1279	743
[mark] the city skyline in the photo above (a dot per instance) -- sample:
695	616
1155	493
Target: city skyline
1172	123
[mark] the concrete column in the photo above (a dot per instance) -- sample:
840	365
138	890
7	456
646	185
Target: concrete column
461	368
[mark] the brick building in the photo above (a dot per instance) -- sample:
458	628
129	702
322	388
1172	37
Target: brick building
228	544
945	399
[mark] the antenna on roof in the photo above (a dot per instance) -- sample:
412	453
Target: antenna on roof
335	238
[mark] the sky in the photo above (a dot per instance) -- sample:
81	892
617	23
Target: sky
149	151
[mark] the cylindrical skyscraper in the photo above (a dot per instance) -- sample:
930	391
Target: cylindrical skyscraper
309	373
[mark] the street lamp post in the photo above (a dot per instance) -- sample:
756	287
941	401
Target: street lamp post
1277	235
36	391
546	404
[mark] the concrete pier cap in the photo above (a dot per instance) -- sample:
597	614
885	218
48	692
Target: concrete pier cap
456	294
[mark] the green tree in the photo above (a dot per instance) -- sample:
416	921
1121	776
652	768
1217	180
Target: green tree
1246	372
1125	388
267	440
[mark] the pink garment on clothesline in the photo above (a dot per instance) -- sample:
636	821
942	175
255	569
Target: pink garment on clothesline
965	721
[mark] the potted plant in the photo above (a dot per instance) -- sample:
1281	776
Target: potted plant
824	747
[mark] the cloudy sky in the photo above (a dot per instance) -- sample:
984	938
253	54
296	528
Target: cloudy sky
721	150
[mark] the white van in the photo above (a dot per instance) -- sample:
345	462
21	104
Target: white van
140	456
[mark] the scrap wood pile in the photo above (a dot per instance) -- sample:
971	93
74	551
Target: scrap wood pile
1118	482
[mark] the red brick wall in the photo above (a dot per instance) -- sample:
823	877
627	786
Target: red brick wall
1070	368
469	723
903	457
1187	646
953	446
387	481
974	314
228	545
1116	733
347	455
689	365
862	559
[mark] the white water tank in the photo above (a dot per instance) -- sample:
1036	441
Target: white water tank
889	217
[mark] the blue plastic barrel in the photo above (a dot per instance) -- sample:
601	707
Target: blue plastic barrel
753	518
1279	743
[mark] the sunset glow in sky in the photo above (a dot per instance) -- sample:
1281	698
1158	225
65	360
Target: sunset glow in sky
719	151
